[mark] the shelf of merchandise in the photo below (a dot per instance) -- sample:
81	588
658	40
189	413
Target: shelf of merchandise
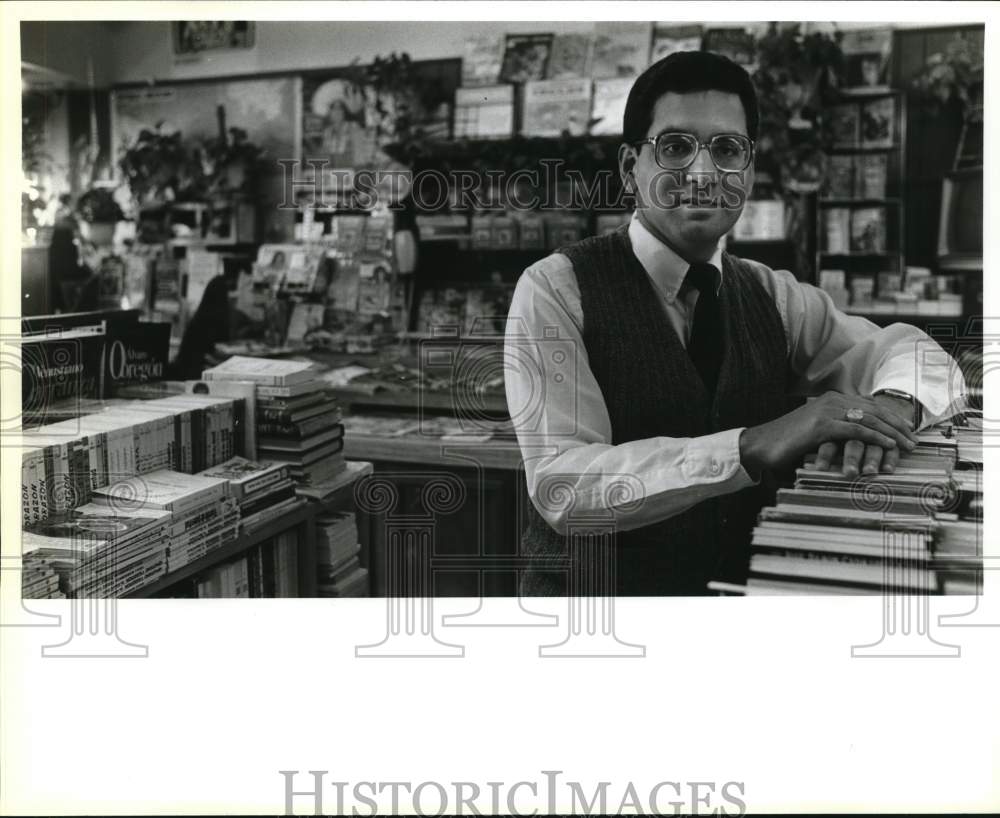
893	204
300	518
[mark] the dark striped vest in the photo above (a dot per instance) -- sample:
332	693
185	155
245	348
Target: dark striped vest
652	389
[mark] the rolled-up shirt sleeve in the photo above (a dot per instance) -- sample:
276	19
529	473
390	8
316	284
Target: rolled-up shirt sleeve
831	350
564	429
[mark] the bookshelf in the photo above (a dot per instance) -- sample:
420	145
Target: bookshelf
860	228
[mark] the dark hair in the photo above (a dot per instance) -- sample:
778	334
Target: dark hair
686	72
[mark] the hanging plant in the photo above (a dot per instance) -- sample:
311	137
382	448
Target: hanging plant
949	76
158	168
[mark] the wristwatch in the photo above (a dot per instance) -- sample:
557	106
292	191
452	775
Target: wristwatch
899	393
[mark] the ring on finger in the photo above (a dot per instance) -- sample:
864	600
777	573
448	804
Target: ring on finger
855	414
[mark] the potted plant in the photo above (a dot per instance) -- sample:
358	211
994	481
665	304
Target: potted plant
949	76
99	213
158	168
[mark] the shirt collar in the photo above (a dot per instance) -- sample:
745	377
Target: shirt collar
661	263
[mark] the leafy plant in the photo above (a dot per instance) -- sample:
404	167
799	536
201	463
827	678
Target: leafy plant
950	75
159	167
227	161
407	110
98	205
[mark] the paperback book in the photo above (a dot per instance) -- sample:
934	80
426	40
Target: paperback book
555	107
621	49
525	57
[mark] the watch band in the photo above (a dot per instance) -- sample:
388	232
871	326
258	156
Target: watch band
899	393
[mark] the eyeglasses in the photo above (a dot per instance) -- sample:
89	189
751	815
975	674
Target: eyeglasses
674	150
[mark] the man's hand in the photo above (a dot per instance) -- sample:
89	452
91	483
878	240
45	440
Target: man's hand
785	440
857	457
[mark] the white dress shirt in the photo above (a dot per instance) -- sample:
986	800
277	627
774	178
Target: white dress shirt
562	421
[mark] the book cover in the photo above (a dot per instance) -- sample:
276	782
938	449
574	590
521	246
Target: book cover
867	57
342	292
737	44
840	174
878	119
862	291
301	428
304	458
608	111
482	59
135	353
868	230
570	57
845	125
525	57
60	366
669	39
872	176
305	319
162	489
555	107
262	371
245	476
621	49
326	435
837	232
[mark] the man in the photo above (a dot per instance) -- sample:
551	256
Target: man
674	411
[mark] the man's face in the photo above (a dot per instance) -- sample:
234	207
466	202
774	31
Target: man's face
693	208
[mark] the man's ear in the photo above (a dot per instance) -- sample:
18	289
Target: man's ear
627	158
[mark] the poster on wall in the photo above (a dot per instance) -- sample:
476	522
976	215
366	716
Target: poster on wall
196	36
262	107
344	121
338	122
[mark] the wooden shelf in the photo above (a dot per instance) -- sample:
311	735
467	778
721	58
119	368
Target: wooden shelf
413	400
302	514
323	492
836	202
492	454
859	255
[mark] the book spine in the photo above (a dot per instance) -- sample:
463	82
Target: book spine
264	481
186	448
102	464
197	440
215	494
277	391
250	377
26	481
239	425
93	461
228	428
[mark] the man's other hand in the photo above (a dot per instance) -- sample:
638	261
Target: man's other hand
858	457
786	440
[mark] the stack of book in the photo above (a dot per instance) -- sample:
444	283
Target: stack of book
337	550
912	531
100	550
298	421
39	579
201	515
262	489
63	463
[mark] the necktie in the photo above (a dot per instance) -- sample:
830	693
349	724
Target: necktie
705	344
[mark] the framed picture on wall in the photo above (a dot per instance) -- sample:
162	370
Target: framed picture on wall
195	36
